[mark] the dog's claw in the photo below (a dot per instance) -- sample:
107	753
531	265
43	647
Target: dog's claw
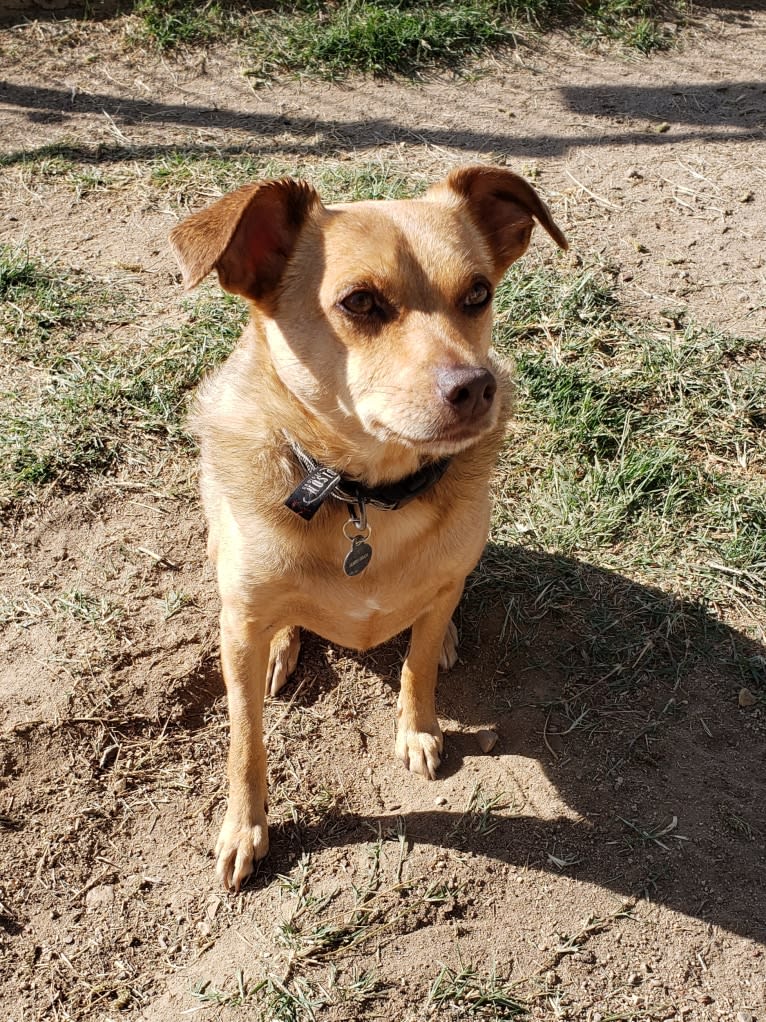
448	655
283	657
237	849
420	751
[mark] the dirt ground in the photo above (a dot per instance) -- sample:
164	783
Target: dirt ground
609	872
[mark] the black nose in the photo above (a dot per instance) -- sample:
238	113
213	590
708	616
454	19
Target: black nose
469	390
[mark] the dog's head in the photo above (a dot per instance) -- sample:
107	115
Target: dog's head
377	315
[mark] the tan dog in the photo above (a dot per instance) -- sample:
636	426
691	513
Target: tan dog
363	378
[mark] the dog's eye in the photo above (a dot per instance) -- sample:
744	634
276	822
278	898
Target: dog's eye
360	303
478	296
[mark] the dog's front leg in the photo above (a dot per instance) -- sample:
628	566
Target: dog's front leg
244	835
419	740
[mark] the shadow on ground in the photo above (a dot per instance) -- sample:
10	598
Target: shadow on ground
716	110
628	697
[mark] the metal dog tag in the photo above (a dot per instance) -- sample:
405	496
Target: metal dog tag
358	557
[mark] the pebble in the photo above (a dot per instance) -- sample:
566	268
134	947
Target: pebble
746	698
635	173
744	1016
440	801
487	740
99	897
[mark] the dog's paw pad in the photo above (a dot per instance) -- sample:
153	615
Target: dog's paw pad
236	850
448	655
283	657
420	751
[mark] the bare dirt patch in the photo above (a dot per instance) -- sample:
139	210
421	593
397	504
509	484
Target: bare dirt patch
606	860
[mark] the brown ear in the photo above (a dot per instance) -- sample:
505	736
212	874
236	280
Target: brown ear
504	206
247	236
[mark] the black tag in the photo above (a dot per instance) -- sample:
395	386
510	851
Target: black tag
309	495
358	557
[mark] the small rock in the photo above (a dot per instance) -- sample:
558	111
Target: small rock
635	174
487	740
634	979
747	197
204	929
746	697
99	897
552	978
662	128
744	1016
440	801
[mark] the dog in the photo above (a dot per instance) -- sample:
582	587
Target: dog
347	442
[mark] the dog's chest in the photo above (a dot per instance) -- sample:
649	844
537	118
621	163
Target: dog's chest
408	566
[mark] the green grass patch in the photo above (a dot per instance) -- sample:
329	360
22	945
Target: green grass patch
193	173
377	38
196	174
332	38
632	440
82	395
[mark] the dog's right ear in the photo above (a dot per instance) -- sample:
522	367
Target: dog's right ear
247	236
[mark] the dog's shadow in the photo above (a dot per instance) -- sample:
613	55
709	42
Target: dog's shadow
629	698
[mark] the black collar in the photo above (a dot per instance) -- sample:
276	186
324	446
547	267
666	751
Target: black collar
321	483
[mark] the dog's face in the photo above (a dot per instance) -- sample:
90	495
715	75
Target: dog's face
377	315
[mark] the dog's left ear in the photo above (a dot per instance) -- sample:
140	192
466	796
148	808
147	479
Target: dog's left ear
503	206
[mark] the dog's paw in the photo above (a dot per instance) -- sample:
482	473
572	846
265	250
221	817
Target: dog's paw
448	655
420	751
237	849
283	657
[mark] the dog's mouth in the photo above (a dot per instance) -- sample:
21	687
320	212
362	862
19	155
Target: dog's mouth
438	439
